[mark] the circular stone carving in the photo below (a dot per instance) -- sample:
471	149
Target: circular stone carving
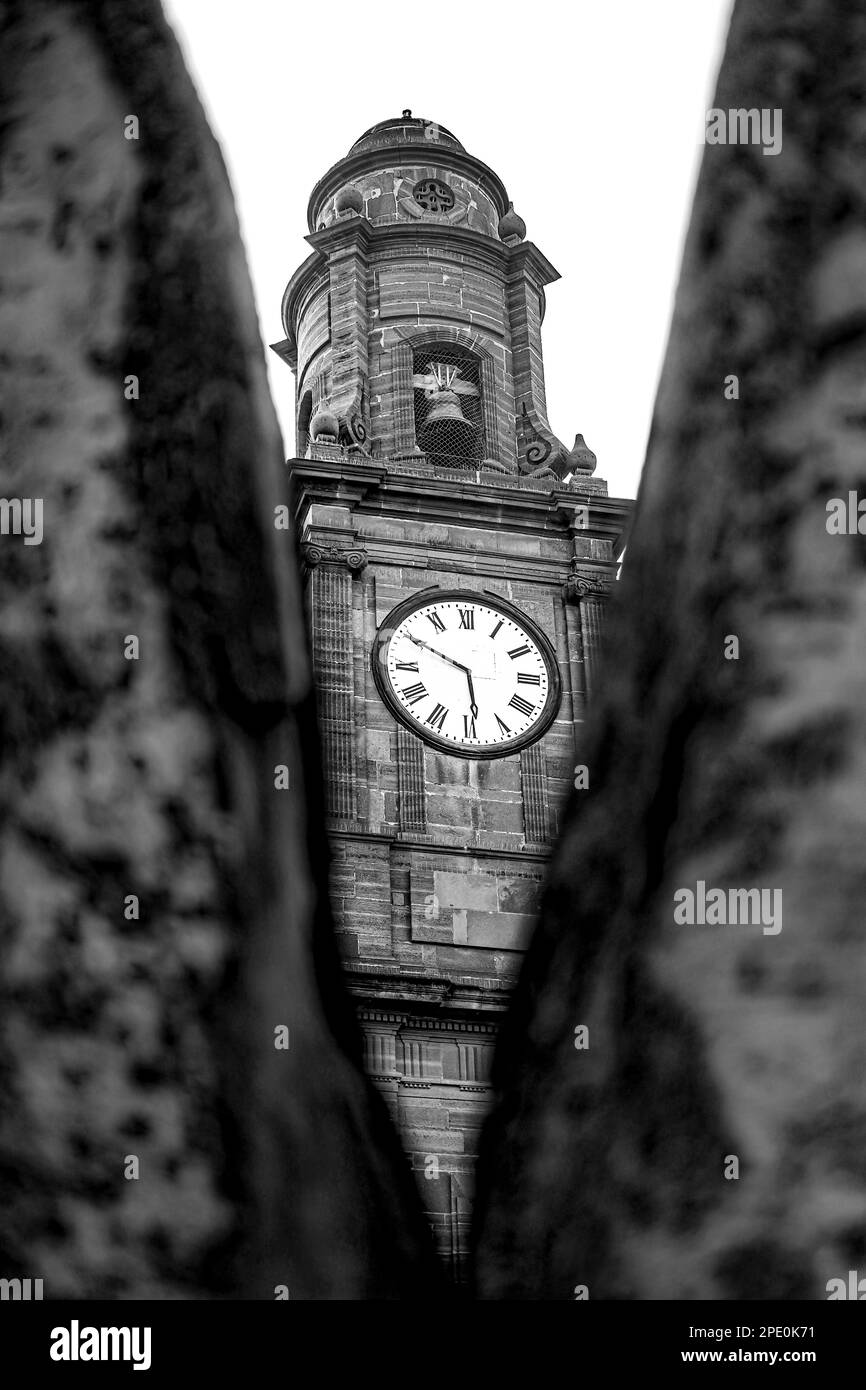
433	195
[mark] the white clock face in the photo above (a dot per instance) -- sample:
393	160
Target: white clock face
467	674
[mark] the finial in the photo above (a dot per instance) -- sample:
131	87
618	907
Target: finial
581	459
512	228
324	426
407	114
349	200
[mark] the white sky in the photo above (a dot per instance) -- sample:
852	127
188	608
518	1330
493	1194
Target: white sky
591	112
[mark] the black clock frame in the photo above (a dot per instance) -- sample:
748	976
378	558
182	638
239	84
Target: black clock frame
379	658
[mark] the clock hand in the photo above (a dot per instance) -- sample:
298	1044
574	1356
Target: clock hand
419	642
473	706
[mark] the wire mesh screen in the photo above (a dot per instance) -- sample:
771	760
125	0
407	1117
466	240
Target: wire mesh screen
449	424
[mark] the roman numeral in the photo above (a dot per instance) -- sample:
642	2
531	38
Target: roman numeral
497	627
415	692
413	666
438	623
467	617
523	678
440	713
503	726
518	651
469	727
520	704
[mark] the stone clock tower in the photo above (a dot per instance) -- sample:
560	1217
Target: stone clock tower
457	557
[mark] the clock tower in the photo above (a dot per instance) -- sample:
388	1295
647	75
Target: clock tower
458	557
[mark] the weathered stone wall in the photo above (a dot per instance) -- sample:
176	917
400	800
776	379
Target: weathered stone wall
609	1168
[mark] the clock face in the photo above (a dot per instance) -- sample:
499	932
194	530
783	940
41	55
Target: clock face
467	672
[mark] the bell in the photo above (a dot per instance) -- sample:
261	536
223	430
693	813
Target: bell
446	406
446	429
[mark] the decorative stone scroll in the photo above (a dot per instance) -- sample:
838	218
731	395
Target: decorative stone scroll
538	451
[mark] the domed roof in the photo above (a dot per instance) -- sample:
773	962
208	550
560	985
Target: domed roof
403	130
399	141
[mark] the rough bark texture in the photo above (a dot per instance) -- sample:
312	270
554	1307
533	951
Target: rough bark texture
155	777
605	1167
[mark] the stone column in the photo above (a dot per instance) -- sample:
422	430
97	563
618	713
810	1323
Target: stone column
331	576
589	589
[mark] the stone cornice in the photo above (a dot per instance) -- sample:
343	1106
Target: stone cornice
415	995
401	843
434	1025
369	488
357	233
526	259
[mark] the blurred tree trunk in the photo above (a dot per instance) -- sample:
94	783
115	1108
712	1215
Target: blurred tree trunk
606	1167
148	1032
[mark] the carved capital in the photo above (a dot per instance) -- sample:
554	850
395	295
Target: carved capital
586	584
313	554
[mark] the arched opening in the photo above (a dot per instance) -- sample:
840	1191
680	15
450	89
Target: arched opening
449	416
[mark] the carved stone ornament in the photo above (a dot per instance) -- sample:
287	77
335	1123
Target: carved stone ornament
353	556
538	450
353	431
453	217
586	584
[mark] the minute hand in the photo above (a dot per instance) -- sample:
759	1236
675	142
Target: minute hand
419	642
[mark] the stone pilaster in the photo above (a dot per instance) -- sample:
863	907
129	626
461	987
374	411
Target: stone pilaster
589	589
538	448
403	399
492	443
536	807
348	266
380	1043
412	800
331	570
